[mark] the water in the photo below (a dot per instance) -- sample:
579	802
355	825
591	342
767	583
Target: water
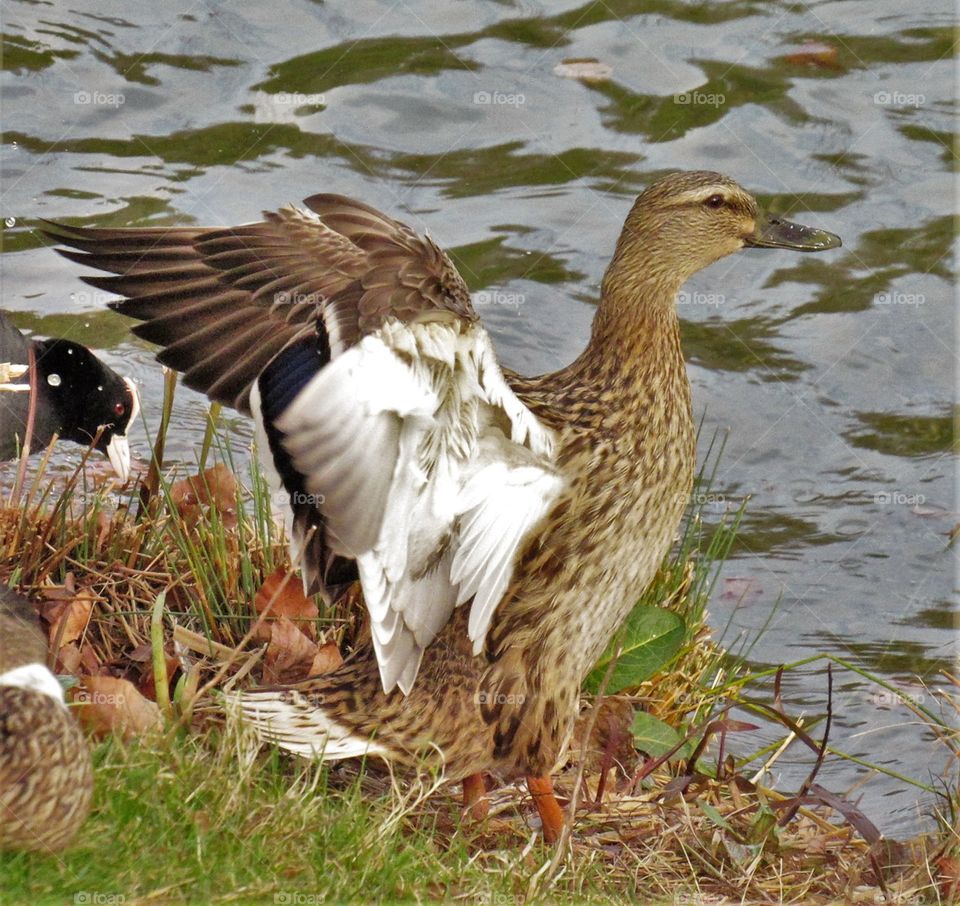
831	373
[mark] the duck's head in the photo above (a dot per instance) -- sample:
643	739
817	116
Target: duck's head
688	220
88	396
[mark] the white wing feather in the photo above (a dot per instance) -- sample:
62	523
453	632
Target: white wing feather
399	439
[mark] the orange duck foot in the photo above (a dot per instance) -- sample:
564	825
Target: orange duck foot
551	815
475	802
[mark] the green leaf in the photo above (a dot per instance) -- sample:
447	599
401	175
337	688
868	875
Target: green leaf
651	639
653	736
714	815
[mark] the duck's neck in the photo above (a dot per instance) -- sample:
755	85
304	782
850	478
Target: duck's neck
636	330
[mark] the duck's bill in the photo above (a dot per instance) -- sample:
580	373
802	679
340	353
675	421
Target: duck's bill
118	452
773	233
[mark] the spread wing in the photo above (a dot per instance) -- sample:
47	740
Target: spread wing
399	452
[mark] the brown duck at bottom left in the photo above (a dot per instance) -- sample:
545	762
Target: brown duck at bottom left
46	776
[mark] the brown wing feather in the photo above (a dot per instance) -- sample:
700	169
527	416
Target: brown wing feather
224	301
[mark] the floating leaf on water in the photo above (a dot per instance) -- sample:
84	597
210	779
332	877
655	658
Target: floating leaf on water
816	55
741	588
586	69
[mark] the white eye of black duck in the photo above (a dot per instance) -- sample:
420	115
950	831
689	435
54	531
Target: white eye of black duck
53	380
99	388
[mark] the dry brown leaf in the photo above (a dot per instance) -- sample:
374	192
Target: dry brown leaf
72	616
948	878
290	654
327	658
90	661
68	658
290	602
216	487
106	704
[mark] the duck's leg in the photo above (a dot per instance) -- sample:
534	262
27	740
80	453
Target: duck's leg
551	815
475	800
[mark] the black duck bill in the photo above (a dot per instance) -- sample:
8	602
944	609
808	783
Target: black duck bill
774	233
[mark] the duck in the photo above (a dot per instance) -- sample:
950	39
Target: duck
46	772
500	527
76	396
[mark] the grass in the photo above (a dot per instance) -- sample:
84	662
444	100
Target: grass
199	812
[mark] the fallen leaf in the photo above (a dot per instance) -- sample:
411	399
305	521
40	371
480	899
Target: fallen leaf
70	618
68	659
106	704
948	878
814	54
214	487
586	69
141	654
290	602
290	654
90	662
327	658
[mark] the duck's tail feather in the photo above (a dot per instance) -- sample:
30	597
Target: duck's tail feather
295	719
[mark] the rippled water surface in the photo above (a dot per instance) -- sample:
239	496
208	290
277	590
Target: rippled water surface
833	373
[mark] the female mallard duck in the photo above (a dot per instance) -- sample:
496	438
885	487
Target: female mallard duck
46	776
410	460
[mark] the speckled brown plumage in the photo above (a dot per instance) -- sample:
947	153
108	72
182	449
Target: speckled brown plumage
46	776
621	446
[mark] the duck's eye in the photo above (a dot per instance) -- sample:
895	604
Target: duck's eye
119	409
714	201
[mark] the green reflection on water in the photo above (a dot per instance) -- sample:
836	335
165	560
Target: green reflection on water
904	435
